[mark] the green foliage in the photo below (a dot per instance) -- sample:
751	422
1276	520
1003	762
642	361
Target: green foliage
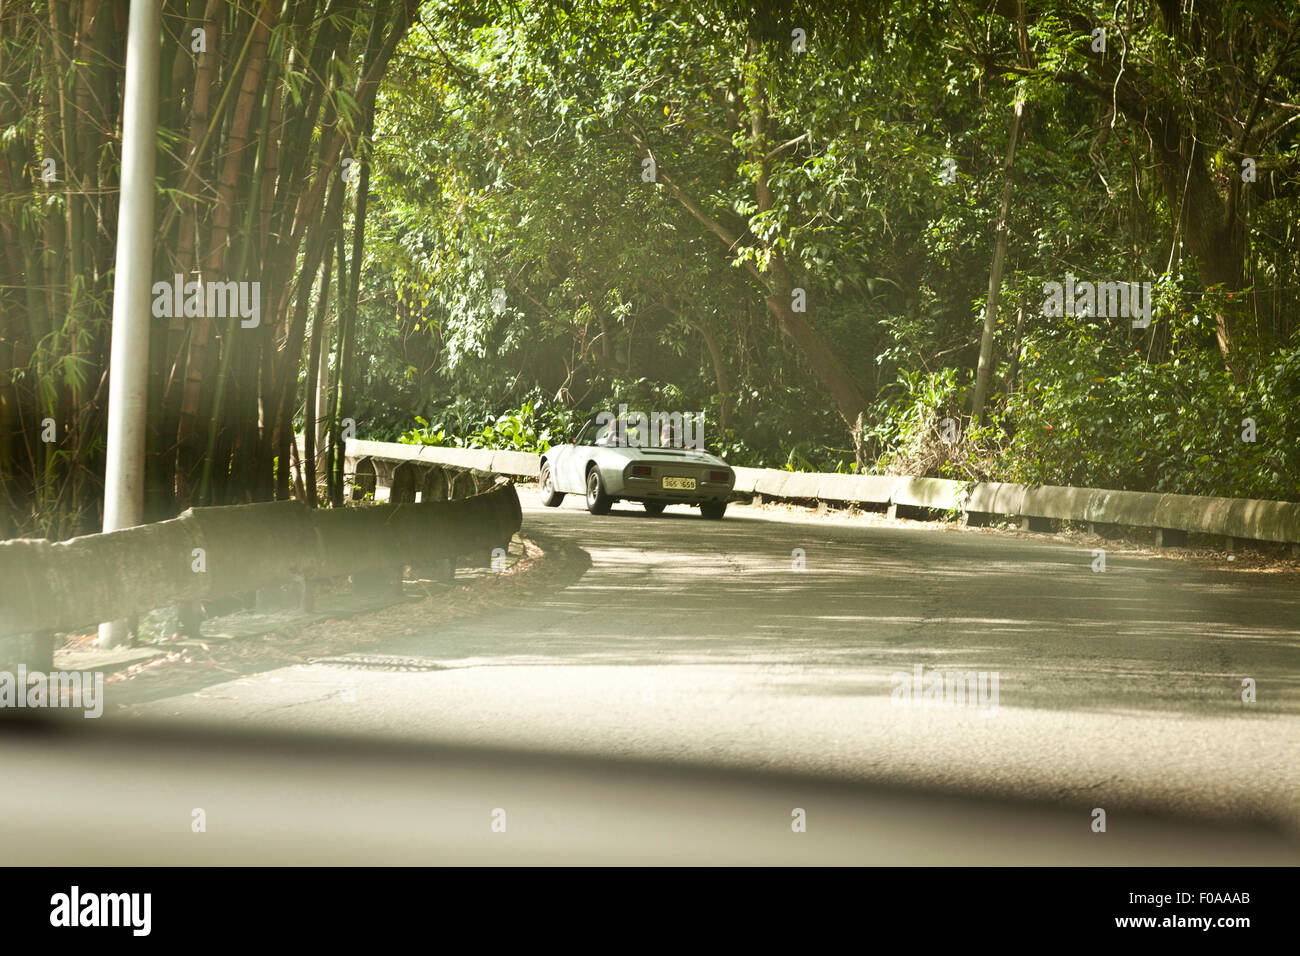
526	429
512	152
1089	416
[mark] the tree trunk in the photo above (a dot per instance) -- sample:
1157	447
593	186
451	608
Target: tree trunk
222	217
984	370
984	373
839	381
720	376
1013	373
337	447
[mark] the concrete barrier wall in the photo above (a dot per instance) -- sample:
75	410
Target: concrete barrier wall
482	459
1238	518
1263	520
516	463
937	493
995	497
746	479
373	465
211	552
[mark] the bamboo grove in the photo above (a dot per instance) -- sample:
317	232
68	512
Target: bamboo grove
262	103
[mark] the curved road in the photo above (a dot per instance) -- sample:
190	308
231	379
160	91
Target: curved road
704	642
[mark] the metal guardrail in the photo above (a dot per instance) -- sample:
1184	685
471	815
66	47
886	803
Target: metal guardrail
1034	507
204	553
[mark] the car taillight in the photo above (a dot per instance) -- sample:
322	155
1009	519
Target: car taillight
641	471
718	476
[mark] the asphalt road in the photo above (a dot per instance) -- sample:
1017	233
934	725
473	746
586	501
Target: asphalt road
704	643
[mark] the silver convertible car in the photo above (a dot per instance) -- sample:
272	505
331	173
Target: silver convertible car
607	466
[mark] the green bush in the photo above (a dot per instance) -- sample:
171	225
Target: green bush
525	428
1087	415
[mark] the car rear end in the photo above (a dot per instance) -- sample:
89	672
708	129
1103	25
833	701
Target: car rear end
677	480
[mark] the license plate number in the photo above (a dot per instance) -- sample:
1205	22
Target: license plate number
680	484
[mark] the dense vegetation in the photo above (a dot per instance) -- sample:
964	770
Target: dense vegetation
262	103
828	225
514	149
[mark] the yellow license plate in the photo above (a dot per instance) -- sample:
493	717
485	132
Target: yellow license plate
680	484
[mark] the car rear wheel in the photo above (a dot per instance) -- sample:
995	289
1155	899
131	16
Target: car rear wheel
598	503
550	497
654	507
713	510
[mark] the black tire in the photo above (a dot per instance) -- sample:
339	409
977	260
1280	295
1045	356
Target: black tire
713	510
655	508
550	497
598	503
